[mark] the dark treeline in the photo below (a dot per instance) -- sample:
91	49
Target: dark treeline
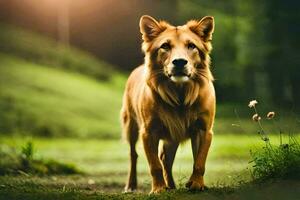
256	43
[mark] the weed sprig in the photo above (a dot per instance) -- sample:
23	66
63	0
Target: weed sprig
274	161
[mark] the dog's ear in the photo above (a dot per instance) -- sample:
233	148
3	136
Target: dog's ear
203	28
150	28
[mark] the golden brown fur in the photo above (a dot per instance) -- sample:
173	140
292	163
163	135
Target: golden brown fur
170	98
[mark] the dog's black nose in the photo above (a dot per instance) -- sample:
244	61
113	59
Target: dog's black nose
179	63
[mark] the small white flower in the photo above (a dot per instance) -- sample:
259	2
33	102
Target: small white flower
256	118
252	103
270	115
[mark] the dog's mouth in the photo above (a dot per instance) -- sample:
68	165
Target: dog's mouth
179	77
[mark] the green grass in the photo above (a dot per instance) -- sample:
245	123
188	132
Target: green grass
277	162
45	51
30	189
49	89
229	155
52	102
15	162
106	163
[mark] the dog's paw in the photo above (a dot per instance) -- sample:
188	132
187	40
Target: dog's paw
128	189
195	185
159	189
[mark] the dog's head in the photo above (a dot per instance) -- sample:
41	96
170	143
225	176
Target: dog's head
177	54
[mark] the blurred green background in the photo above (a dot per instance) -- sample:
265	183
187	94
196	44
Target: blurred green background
64	64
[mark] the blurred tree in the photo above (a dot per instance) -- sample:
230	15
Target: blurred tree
63	22
251	51
282	60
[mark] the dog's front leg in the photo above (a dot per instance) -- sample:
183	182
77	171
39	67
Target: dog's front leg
167	155
150	142
200	145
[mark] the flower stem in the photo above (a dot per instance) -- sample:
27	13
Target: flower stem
265	136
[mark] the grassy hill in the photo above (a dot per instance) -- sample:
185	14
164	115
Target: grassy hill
49	90
46	101
45	51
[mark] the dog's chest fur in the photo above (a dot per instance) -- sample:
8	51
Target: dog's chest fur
178	121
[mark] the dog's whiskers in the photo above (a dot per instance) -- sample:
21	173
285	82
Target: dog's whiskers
203	73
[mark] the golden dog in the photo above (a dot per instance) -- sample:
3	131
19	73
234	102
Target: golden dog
171	98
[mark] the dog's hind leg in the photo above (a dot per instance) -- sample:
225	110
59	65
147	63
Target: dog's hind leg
130	130
167	155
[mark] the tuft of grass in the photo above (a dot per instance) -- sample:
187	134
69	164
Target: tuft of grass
277	162
274	161
25	162
28	151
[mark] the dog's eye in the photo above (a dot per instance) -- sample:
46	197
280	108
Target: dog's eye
165	46
191	46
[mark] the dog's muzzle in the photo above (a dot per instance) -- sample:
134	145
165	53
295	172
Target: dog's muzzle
179	71
179	76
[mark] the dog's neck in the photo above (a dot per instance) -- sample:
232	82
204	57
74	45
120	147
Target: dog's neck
176	95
